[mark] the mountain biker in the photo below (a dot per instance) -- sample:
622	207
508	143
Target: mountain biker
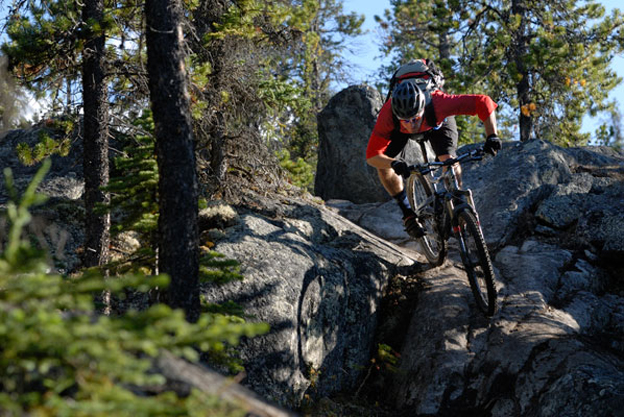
412	112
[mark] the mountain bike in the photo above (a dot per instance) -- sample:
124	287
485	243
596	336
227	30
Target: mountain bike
443	207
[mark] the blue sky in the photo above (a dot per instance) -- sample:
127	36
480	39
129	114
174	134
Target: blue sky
367	49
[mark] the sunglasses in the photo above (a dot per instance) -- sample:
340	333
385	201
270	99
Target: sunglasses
413	120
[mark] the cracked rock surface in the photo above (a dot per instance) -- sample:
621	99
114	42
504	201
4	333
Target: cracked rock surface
553	220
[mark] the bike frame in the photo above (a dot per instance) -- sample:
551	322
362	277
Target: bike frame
446	186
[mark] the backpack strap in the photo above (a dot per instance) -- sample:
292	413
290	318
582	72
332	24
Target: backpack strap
430	116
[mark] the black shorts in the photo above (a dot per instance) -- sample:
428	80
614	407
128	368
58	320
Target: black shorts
443	139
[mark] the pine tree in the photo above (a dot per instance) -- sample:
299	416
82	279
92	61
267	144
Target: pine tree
134	196
47	40
228	43
326	33
523	49
135	202
178	190
519	53
418	30
45	43
611	133
95	138
268	65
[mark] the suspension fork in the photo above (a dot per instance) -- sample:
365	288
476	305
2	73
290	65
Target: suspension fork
466	203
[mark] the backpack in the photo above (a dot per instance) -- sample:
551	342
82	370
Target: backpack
429	77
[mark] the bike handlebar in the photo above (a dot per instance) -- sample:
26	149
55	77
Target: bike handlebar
424	169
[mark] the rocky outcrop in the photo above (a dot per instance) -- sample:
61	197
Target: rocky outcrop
344	127
576	190
317	279
56	225
551	217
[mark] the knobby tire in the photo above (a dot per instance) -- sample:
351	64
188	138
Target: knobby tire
476	259
433	243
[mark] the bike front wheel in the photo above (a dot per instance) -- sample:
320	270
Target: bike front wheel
476	259
421	197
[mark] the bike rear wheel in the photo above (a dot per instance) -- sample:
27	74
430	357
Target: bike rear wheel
476	259
421	197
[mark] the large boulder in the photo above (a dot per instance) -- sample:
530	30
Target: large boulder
317	280
344	127
566	195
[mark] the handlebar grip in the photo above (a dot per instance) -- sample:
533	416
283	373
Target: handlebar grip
422	169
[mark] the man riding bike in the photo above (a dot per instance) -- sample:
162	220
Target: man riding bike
411	112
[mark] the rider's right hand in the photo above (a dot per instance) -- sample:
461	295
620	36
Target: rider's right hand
401	168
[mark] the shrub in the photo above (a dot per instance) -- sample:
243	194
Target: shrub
58	357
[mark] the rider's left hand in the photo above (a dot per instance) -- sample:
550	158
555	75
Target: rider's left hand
493	144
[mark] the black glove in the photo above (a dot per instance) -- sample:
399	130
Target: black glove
401	168
492	145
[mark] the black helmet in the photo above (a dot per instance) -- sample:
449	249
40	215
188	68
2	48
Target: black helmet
407	100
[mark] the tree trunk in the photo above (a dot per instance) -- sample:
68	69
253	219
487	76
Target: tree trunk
207	18
313	72
520	52
178	247
444	47
95	163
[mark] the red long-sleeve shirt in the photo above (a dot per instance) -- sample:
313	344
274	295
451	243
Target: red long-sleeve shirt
444	105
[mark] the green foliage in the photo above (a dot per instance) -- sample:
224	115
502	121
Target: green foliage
294	84
46	147
18	253
54	139
611	133
291	123
523	55
229	308
386	358
519	53
133	187
134	183
44	45
215	268
299	42
246	19
301	172
59	357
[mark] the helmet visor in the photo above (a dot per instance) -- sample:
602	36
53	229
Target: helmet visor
415	118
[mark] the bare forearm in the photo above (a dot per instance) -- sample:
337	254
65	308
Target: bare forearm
380	161
490	125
